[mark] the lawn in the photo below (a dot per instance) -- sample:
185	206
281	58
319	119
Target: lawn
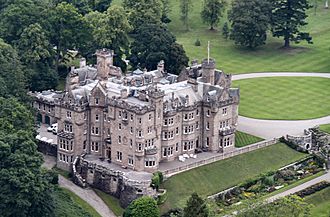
215	177
321	202
68	203
284	98
235	60
325	128
243	139
111	202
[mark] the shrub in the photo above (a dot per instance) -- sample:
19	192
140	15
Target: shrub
312	189
197	42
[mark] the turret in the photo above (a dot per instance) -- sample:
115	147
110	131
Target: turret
104	63
208	70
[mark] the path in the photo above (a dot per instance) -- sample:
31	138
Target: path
87	195
276	128
325	177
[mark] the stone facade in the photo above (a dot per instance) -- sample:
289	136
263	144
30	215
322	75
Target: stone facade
144	118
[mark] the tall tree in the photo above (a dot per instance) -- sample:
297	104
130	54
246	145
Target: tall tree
288	17
166	9
12	79
250	22
17	15
185	8
36	54
142	207
153	43
141	12
212	11
225	30
110	30
196	207
68	30
25	189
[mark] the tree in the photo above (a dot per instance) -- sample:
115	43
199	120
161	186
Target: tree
68	30
100	5
142	12
165	11
153	43
288	17
142	207
225	30
110	30
250	22
36	54
25	189
196	207
185	8
12	79
289	206
212	11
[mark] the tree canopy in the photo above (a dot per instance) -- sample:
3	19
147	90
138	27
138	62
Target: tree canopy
186	7
153	43
212	11
288	17
249	22
25	188
142	207
196	207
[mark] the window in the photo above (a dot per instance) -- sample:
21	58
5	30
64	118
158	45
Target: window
177	130
177	147
139	133
165	121
150	163
224	111
95	130
130	143
119	114
188	129
139	147
119	156
68	128
207	125
105	117
132	117
131	130
85	116
130	161
150	117
208	113
119	139
95	146
96	117
125	116
197	125
140	121
96	101
109	132
68	114
185	117
197	112
149	130
119	126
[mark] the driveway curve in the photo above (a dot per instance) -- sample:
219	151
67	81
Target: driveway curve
276	128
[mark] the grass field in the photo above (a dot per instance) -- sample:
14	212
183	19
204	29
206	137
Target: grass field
243	139
321	202
325	128
284	98
212	178
232	59
111	202
68	204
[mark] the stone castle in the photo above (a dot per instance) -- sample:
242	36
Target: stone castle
143	118
115	130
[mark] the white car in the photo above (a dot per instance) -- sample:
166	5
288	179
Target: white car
51	127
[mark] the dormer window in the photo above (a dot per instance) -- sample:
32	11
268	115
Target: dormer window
96	101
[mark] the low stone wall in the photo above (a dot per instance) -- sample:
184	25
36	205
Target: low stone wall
112	182
47	148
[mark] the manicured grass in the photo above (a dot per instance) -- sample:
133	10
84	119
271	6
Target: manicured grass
68	204
325	128
215	177
321	202
235	60
284	98
243	139
111	202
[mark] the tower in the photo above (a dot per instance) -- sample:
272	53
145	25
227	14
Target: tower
104	62
208	70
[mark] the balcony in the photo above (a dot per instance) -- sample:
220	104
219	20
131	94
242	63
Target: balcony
227	131
150	151
65	135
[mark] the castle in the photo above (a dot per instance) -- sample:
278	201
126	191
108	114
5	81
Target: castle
143	118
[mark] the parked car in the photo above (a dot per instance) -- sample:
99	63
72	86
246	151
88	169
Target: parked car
51	127
55	130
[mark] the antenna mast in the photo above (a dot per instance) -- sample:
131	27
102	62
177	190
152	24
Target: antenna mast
208	52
